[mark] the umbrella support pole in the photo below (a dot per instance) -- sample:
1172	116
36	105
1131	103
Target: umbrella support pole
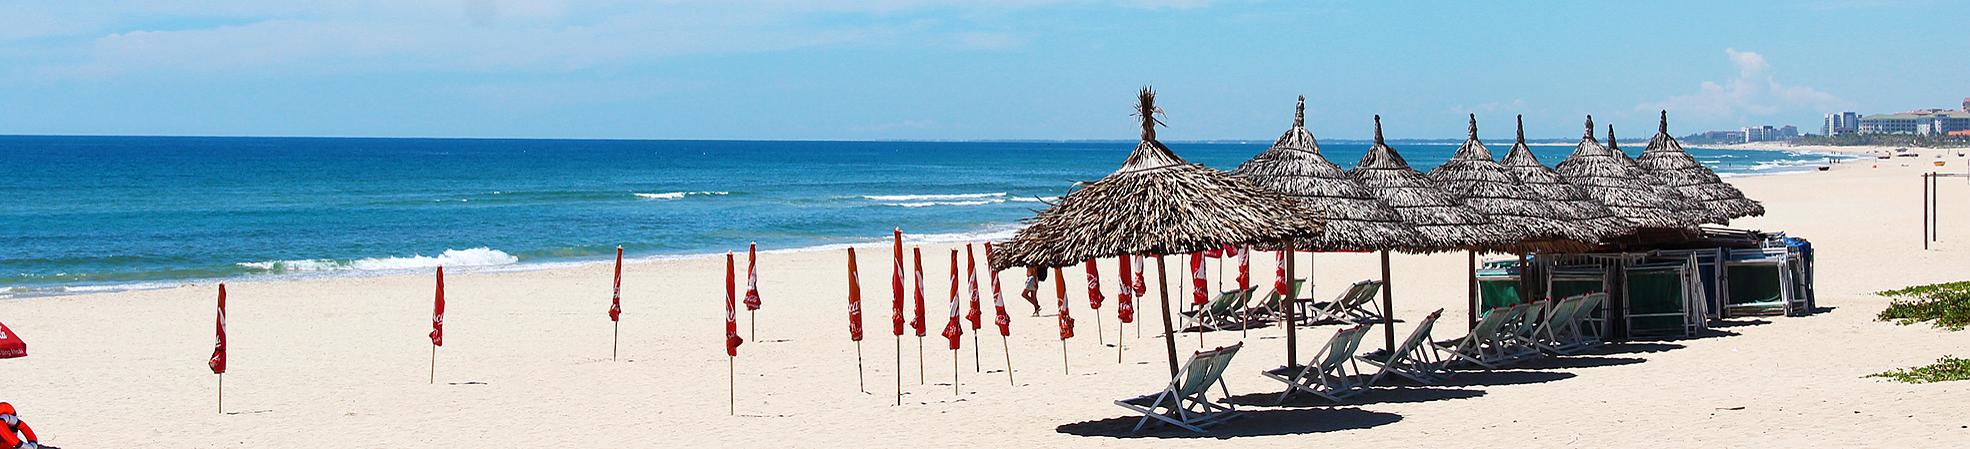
919	360
732	385
974	352
1471	317
954	372
1388	306
222	393
615	341
434	364
899	369
1097	328
1063	357
752	320
860	383
1169	336
1525	279
1005	344
1118	343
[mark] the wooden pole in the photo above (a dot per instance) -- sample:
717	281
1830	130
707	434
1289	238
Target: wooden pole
1388	306
1063	357
974	353
731	386
434	364
1935	213
1006	345
1118	342
1097	327
615	340
954	372
860	383
919	360
1472	316
222	393
899	370
1169	335
1925	211
752	320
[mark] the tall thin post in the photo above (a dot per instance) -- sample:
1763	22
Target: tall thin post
860	382
1118	342
434	364
1925	211
731	386
954	372
1169	335
899	370
1525	280
1472	316
919	360
1097	327
1063	357
1388	306
1006	345
222	393
615	340
1935	213
974	353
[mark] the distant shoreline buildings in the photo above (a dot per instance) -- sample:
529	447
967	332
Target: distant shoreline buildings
1934	122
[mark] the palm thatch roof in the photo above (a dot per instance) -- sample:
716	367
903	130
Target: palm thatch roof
1355	218
1566	199
1155	203
1688	208
1667	163
1608	178
1473	178
1441	223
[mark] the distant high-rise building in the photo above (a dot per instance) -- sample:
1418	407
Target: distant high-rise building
1925	122
1838	123
1768	133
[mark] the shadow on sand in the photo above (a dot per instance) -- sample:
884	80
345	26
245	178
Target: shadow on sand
1379	395
1572	362
1253	423
1633	348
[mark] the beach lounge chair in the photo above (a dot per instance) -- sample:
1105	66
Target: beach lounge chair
1274	304
1522	341
1222	312
1487	344
1554	334
1353	306
1583	331
1415	358
1185	402
1332	374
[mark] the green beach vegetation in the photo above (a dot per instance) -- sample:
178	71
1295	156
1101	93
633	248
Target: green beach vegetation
1945	305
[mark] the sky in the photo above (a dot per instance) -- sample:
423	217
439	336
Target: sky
948	70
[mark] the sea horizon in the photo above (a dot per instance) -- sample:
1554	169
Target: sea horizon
163	211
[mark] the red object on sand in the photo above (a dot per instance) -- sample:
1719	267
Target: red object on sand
1125	300
1060	291
954	329
438	312
11	345
971	280
896	287
732	340
1094	286
615	299
1197	283
998	300
854	299
1244	268
752	277
218	360
1279	282
916	319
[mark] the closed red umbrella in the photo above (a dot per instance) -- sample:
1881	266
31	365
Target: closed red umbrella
896	307
437	323
752	290
855	317
1003	320
732	340
916	317
974	315
218	360
1197	280
1094	296
11	345
615	307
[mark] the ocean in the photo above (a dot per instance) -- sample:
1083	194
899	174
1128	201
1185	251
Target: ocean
103	213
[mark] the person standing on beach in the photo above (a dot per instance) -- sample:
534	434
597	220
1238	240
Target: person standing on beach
1032	292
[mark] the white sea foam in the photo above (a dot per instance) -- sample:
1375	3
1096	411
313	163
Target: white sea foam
471	257
677	195
947	203
1033	199
934	198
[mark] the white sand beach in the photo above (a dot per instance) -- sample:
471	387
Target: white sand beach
343	362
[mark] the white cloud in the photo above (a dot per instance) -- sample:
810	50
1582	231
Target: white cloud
1755	92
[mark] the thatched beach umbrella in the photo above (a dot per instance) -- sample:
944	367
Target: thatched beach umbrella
1473	178
1609	179
1156	203
1569	201
1667	163
1355	218
1683	205
1440	221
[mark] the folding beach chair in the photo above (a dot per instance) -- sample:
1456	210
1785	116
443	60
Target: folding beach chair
1332	374
1584	331
1221	312
1185	402
1415	358
1486	345
1521	342
1274	304
1555	334
1353	306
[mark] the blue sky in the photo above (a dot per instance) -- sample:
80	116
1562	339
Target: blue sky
918	69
